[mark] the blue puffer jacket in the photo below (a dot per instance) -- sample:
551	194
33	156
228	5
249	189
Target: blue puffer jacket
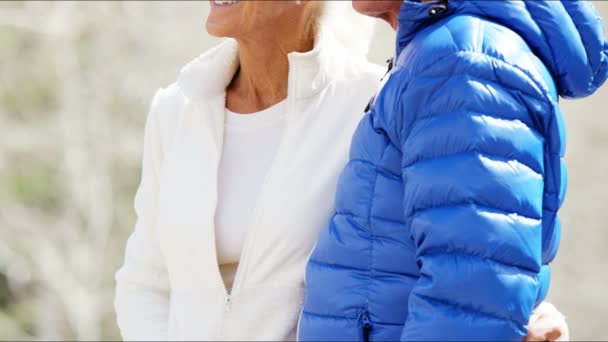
445	216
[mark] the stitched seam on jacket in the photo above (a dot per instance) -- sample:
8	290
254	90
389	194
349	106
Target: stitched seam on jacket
475	151
329	316
379	218
399	324
481	207
470	310
377	168
477	77
463	204
351	268
476	113
344	267
471	151
435	252
371	229
387	220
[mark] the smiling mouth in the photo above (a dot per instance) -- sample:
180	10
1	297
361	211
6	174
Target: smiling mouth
224	2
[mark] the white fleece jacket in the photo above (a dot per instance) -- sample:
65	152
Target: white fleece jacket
169	286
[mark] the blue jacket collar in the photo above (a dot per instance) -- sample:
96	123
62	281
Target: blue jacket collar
567	35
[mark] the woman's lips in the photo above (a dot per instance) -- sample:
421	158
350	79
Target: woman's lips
221	3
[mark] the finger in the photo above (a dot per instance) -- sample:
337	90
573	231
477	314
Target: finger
553	335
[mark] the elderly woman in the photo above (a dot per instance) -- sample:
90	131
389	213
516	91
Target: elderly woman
240	165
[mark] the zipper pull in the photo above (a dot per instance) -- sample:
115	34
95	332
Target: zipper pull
438	8
391	64
367	326
228	303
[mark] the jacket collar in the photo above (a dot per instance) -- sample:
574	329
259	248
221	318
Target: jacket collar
415	15
567	36
210	73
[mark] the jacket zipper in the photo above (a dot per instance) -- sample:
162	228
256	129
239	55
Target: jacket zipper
259	200
367	326
227	296
238	275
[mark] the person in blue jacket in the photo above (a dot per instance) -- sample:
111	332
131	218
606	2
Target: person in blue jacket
446	214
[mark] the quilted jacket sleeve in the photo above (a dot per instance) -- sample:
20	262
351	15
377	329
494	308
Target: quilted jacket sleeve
473	188
142	286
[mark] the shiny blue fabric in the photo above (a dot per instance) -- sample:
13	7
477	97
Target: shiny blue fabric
445	218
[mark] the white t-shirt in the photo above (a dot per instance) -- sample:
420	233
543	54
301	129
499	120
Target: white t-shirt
251	142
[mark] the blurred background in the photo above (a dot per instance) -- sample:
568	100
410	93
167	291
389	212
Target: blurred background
76	79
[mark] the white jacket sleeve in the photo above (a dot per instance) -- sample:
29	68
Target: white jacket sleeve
142	284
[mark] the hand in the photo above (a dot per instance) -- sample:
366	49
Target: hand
547	324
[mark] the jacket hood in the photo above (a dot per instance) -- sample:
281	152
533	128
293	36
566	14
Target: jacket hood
567	35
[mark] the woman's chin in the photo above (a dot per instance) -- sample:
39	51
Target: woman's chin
214	30
220	28
224	18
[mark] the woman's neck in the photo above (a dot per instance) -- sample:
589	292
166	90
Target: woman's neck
262	78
